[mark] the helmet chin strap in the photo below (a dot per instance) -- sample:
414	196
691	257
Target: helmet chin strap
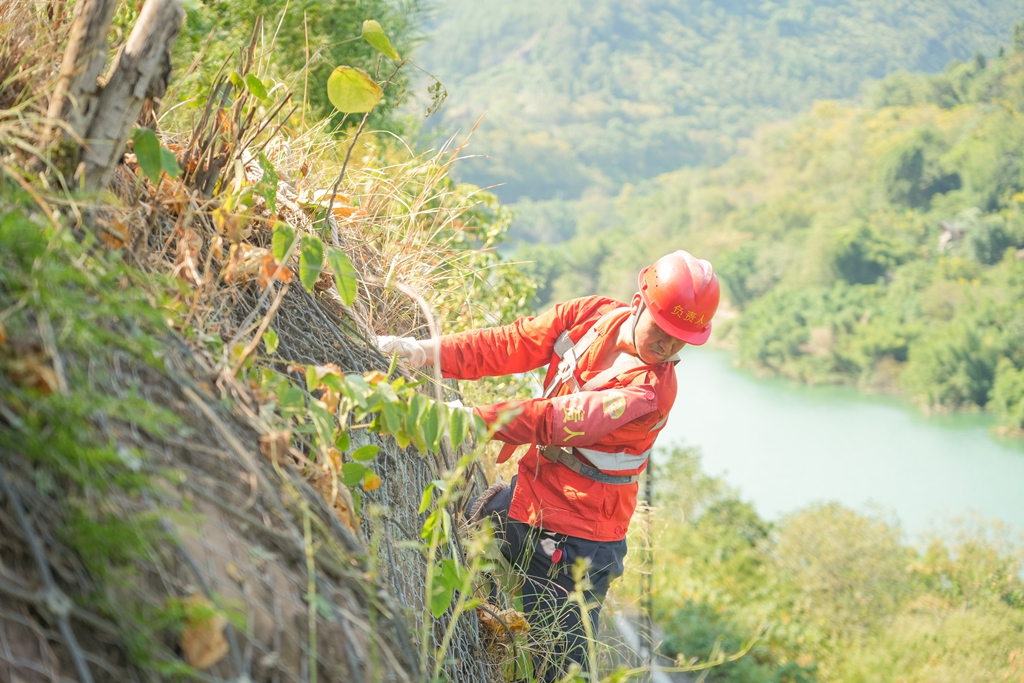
636	319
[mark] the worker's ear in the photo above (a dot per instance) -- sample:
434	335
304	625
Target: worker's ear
634	305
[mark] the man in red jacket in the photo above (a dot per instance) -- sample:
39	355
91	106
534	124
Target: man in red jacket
609	387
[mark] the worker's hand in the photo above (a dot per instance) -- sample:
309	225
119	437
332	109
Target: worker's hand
408	349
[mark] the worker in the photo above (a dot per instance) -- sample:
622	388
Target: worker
609	387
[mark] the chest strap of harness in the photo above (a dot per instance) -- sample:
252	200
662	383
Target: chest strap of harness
570	353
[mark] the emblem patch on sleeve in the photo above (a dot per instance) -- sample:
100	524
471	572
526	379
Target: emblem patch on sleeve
614	404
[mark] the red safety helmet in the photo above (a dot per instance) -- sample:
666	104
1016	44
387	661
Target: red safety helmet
682	293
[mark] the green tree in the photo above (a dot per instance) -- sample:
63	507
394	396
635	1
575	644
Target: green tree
849	570
862	254
1008	394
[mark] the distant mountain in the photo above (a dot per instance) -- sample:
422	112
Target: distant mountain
583	93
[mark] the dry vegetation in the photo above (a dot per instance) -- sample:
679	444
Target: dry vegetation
162	515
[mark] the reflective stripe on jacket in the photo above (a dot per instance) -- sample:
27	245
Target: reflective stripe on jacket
548	493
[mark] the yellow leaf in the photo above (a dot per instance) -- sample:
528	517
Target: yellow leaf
340	500
352	90
371	482
115	234
514	621
274	445
202	641
270	268
32	371
375	377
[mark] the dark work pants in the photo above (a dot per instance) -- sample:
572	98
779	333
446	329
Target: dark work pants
557	629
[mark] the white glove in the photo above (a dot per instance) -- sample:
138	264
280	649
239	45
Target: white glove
407	348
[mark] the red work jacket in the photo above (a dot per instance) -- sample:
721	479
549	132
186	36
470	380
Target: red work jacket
549	494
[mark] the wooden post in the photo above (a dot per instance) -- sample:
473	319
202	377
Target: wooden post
74	98
140	71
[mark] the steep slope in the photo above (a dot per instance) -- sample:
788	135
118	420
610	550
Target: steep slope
207	469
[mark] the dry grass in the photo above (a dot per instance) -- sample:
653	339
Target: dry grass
30	38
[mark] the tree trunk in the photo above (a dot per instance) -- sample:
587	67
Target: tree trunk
140	71
74	98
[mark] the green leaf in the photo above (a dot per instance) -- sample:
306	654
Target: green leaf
428	495
358	389
333	382
343	441
284	237
388	392
446	523
147	152
267	185
255	86
292	401
459	426
479	426
453	574
270	340
441	597
324	421
438	94
312	381
311	260
418	407
432	423
236	80
169	163
429	523
374	35
344	274
403	438
351	90
366	453
392	414
352	473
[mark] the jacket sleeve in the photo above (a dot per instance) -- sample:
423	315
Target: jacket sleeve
581	419
526	344
645	406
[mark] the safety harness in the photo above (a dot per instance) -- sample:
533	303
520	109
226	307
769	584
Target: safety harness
570	353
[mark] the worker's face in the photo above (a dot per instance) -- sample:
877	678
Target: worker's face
653	345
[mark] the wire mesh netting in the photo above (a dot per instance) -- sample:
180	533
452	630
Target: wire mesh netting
252	537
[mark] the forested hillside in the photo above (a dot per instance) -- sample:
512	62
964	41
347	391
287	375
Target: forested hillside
878	245
844	597
599	92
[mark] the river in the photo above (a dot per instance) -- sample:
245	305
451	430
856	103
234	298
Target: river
784	446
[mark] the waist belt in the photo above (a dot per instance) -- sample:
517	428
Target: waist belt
569	459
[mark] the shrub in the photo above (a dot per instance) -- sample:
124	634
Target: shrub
1007	400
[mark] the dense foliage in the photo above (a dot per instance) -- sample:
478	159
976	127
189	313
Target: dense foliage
298	44
844	597
874	245
596	93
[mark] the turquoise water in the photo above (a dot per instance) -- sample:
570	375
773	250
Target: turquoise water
786	445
